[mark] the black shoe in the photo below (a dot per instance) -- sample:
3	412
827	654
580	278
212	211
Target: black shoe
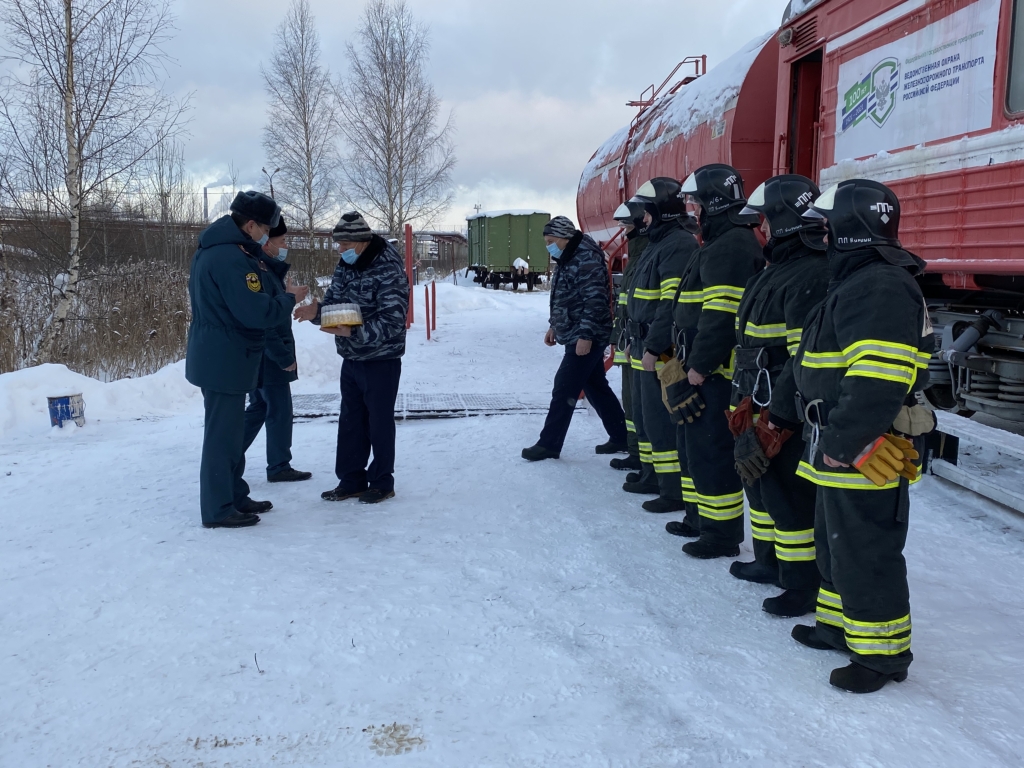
646	489
610	447
340	494
248	506
808	636
634	477
856	678
757	573
661	505
289	476
374	496
705	549
234	520
682	528
791	603
630	462
538	453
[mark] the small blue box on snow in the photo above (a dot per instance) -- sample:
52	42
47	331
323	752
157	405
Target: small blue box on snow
66	408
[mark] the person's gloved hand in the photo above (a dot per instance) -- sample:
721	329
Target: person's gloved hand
751	461
769	436
685	402
742	418
881	462
910	454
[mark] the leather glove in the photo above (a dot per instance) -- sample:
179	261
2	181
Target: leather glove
685	402
881	462
751	461
910	454
741	419
771	440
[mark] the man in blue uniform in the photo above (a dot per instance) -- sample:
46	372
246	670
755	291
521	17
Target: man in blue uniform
231	313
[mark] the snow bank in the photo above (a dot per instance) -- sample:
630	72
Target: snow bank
23	396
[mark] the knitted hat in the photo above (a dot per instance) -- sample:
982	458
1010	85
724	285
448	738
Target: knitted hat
560	227
258	207
280	229
352	228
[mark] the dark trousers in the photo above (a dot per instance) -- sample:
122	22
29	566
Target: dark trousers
585	373
661	436
367	422
709	453
762	527
643	442
271	404
627	409
223	452
864	600
789	505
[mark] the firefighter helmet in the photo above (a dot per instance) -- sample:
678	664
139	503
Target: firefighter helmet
858	213
717	188
662	198
782	200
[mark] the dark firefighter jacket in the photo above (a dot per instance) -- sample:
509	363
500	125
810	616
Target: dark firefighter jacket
581	294
771	318
710	291
864	354
649	302
378	284
279	352
637	243
231	311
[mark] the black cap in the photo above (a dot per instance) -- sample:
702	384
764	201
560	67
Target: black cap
280	230
256	206
859	213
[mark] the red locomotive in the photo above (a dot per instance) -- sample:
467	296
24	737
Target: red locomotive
926	96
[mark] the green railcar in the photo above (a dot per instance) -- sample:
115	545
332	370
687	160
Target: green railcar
507	247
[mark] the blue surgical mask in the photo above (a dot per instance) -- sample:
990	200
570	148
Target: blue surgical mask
554	250
282	254
263	240
350	256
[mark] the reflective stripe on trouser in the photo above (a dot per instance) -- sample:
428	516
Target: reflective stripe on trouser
864	600
644	448
661	434
709	453
686	481
762	527
790	501
627	407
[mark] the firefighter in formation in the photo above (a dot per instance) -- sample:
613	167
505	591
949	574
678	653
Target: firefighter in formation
792	384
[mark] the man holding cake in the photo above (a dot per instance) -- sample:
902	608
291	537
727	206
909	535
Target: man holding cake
365	309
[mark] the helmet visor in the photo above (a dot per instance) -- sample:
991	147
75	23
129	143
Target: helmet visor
756	198
622	213
647	192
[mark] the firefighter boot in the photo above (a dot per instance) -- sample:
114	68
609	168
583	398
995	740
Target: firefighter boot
708	549
661	505
538	453
857	678
611	447
757	573
806	635
630	462
682	528
791	603
647	489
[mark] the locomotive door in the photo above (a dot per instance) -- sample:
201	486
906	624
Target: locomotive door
805	115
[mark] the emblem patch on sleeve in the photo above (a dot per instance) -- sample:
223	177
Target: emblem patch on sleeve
253	281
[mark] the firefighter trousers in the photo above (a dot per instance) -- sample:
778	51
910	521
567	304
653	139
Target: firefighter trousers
627	407
864	599
718	489
660	435
762	527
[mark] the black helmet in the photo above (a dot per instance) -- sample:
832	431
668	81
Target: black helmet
859	212
782	200
662	198
258	207
717	188
631	212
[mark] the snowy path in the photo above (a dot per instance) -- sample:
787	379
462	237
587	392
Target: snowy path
496	613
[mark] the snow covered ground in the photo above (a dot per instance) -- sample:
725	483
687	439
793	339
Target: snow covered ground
495	613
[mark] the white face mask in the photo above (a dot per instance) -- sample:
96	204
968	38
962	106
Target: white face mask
263	240
282	254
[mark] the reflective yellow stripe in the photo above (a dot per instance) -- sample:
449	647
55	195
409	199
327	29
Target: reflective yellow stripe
880	638
727	507
723	291
647	294
795	554
877	348
871	369
620	358
622	299
636	364
794	537
666	455
772	331
645	452
794	335
895	627
690	297
829	609
630	426
761	518
846	480
689	490
762	527
878	647
666	467
795	546
669	287
923	358
722	305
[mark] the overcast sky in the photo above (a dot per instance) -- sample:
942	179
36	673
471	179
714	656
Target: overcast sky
536	85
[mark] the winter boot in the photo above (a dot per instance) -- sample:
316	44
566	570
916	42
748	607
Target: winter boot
857	678
340	493
661	505
235	520
375	496
630	462
682	528
791	603
705	549
610	447
757	573
634	477
808	636
646	489
538	453
289	476
250	507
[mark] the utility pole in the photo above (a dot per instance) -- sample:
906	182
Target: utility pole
270	177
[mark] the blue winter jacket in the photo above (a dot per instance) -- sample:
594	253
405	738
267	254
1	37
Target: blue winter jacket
581	295
279	352
231	311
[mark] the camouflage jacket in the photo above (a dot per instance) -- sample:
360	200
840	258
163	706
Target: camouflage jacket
581	294
378	284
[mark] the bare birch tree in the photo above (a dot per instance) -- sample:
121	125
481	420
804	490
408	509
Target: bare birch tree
301	134
400	158
81	111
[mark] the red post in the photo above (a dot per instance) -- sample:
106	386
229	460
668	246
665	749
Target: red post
426	309
411	317
433	304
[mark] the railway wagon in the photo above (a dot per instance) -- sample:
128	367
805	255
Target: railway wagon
926	96
507	247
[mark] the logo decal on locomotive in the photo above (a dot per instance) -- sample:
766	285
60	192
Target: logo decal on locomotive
873	97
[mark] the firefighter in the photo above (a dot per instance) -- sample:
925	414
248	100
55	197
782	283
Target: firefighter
863	357
698	388
649	304
631	216
769	327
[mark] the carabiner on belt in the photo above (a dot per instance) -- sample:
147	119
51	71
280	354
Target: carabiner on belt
815	427
681	345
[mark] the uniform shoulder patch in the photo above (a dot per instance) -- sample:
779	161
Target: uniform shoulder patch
253	281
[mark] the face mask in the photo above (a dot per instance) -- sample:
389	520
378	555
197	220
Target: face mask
350	256
282	254
554	250
263	240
